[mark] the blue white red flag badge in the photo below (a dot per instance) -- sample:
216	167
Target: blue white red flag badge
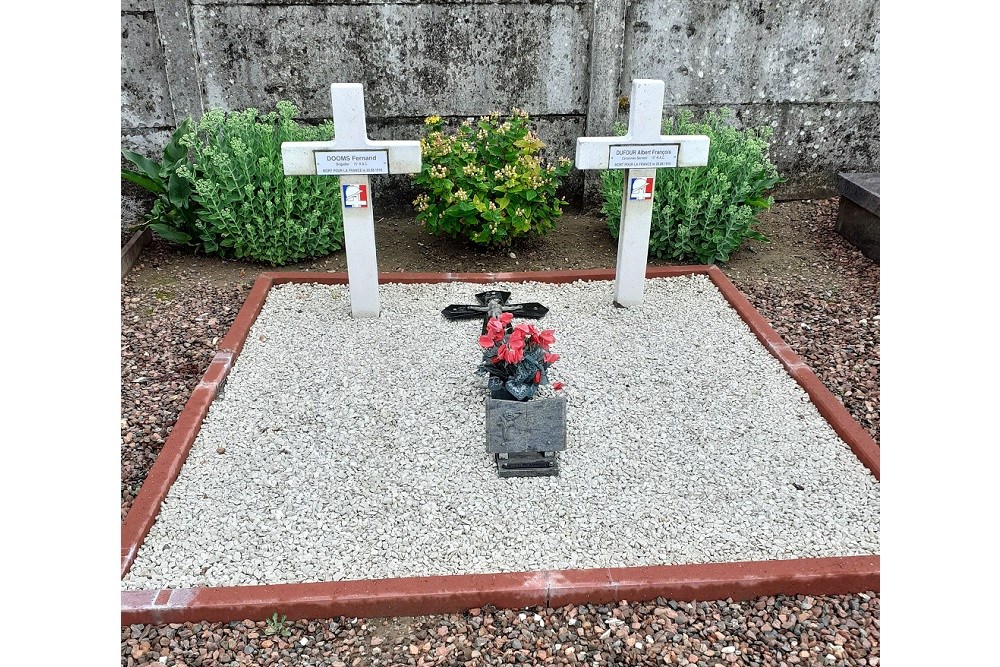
640	188
355	196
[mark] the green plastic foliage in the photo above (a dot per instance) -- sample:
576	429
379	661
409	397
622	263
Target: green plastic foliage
704	214
249	208
486	182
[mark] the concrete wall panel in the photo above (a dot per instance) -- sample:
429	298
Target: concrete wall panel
810	70
810	142
137	6
387	2
145	96
719	52
145	141
414	60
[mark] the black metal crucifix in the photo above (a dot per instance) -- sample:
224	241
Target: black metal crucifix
491	304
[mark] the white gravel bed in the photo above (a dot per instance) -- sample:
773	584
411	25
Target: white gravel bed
355	449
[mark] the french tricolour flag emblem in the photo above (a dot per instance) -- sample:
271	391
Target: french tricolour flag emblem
640	188
355	196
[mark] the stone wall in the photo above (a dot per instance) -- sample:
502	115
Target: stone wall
809	70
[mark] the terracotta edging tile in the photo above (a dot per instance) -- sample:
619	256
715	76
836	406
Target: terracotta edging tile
747	580
407	596
420	596
240	328
457	593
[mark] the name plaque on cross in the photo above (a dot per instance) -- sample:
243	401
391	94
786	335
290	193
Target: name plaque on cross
642	157
640	152
352	156
340	163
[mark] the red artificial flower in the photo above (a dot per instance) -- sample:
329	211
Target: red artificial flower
523	328
505	318
486	341
550	358
538	377
546	338
510	355
516	342
557	386
494	327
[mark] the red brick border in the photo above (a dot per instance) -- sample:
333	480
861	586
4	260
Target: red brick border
419	596
456	593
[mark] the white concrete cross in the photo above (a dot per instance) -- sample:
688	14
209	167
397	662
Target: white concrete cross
352	156
640	153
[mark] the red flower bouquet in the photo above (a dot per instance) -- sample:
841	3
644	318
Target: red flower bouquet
517	358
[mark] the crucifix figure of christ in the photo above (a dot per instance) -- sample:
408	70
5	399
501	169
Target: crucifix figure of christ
352	156
491	304
640	152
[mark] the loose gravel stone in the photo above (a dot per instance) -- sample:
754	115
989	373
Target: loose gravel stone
354	448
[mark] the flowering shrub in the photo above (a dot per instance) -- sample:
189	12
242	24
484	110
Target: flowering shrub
486	181
516	357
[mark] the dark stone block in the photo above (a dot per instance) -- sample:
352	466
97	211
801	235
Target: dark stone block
858	214
528	464
525	426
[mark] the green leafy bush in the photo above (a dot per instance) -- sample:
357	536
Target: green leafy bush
486	181
704	213
249	208
221	188
175	212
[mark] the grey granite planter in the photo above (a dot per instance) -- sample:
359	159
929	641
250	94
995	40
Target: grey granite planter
524	436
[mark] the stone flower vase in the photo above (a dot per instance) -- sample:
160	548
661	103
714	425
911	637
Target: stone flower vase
524	436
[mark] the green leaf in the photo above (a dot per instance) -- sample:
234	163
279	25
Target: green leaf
148	167
174	151
142	181
170	233
178	191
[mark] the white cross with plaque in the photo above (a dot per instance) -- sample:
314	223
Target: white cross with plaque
640	153
353	156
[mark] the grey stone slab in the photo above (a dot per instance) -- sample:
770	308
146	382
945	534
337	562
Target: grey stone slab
537	425
860	227
862	189
718	52
133	248
413	60
145	96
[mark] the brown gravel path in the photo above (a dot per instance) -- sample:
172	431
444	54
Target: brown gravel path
819	293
